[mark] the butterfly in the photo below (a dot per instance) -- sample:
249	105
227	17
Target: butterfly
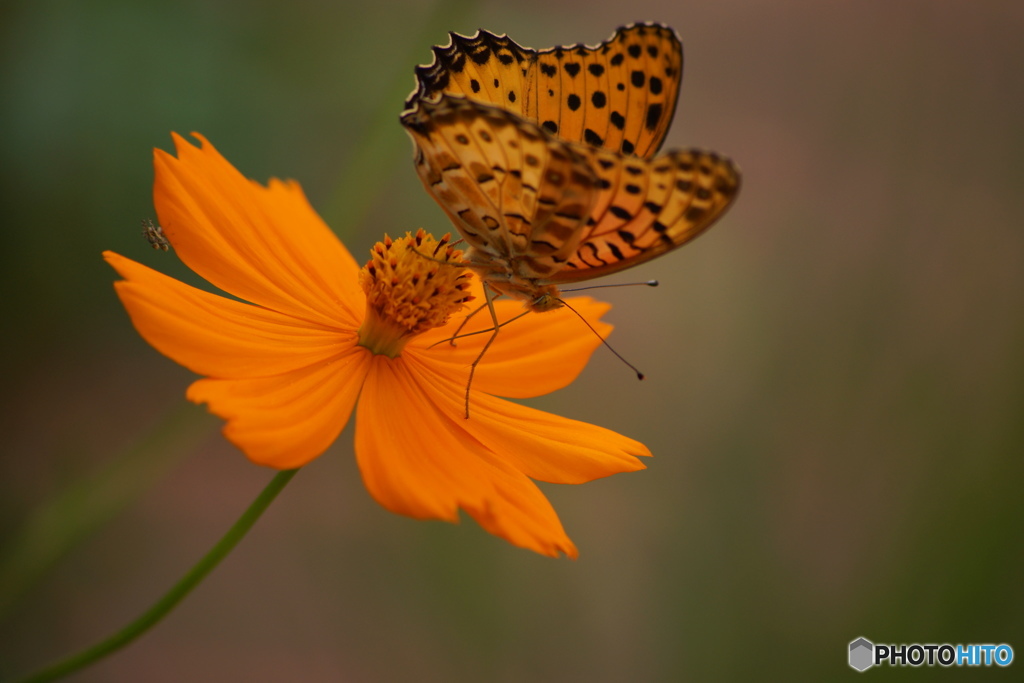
547	191
543	184
619	95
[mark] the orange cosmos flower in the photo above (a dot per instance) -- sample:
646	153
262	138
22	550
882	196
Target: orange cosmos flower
319	335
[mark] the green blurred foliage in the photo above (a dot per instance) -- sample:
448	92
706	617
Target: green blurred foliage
835	372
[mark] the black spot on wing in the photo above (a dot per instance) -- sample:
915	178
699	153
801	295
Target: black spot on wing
695	214
481	56
592	255
653	116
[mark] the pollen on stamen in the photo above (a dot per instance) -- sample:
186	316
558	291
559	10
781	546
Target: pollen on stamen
410	289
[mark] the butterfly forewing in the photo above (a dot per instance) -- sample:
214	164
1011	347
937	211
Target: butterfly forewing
485	67
620	95
648	208
516	194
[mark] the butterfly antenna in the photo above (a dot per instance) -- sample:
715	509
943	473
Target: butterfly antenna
648	283
639	375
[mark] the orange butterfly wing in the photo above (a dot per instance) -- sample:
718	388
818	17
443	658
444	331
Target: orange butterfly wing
485	67
647	208
620	95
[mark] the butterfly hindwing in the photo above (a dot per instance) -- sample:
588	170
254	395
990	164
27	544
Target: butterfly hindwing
647	208
619	95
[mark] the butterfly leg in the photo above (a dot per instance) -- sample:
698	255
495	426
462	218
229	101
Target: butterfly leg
473	334
489	300
465	321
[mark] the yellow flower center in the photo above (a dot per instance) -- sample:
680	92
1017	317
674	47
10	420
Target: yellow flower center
412	284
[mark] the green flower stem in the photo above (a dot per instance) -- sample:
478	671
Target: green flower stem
158	611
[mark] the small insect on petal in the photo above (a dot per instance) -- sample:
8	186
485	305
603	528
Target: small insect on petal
154	234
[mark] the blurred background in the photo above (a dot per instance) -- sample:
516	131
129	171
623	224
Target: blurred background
835	371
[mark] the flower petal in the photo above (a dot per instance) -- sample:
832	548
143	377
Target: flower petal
215	336
432	474
262	244
287	420
542	446
531	356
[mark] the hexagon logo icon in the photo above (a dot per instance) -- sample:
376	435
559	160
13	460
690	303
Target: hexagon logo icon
862	653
